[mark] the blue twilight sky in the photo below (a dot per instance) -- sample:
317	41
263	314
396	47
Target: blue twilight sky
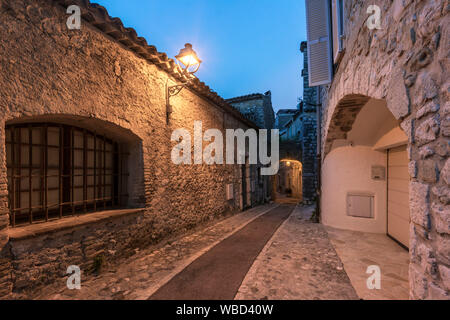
247	46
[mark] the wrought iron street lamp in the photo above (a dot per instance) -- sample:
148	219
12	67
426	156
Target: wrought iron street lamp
189	63
188	57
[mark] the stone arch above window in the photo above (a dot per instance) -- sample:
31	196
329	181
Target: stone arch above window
61	166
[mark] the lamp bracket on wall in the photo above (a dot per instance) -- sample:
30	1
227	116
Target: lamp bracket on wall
188	63
172	91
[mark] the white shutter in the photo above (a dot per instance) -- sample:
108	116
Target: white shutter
319	51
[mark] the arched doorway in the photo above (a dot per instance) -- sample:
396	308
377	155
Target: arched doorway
365	192
365	179
288	181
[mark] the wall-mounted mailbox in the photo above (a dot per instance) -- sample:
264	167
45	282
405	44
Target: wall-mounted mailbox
378	173
360	205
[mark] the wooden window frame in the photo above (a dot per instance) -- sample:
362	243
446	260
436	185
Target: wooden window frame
108	183
339	16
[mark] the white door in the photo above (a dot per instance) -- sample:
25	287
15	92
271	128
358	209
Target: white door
398	195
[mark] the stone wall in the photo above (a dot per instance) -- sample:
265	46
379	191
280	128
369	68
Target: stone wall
87	76
291	150
309	133
38	259
283	117
256	107
309	156
406	63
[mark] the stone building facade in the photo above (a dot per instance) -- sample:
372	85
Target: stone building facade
283	117
291	130
102	89
309	117
257	108
400	69
299	131
289	179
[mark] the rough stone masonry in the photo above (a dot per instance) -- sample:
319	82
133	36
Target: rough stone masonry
309	132
406	62
256	107
106	79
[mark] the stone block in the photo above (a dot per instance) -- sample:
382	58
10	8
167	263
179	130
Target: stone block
442	244
445	126
443	147
430	107
426	152
418	284
397	97
446	108
427	131
428	171
442	193
437	293
429	88
445	172
407	126
419	204
444	271
441	215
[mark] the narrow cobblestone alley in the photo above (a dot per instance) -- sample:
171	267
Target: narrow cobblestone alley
298	263
142	274
179	155
218	274
263	260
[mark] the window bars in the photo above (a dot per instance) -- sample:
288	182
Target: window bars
58	170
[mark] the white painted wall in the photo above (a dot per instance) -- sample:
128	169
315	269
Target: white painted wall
348	169
394	138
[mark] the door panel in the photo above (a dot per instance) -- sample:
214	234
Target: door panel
398	195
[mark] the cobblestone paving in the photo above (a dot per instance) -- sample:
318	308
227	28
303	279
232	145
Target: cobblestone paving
359	250
140	275
218	274
299	263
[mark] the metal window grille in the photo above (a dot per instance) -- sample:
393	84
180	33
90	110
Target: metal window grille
58	170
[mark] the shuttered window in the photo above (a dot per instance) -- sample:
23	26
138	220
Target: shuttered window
338	29
319	49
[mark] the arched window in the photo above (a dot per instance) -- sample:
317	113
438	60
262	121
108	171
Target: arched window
57	170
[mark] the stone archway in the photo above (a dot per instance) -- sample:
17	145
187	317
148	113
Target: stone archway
343	117
404	64
353	156
350	95
288	184
356	179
